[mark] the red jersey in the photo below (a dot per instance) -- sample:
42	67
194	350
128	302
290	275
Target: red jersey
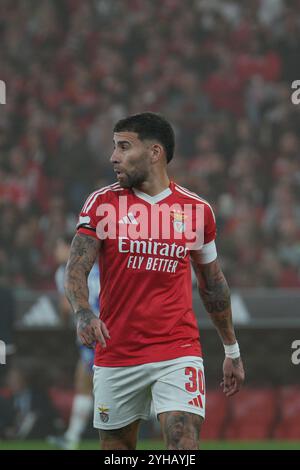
146	288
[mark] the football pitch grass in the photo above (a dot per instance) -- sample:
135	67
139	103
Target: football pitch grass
158	445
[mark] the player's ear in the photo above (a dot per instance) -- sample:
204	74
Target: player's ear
157	152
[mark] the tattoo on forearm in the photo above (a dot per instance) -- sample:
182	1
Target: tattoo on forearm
215	294
213	288
84	251
84	316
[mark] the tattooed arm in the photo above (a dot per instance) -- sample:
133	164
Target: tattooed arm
84	250
215	295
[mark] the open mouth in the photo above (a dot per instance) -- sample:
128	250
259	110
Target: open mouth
118	173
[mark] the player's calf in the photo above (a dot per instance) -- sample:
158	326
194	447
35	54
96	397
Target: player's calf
181	430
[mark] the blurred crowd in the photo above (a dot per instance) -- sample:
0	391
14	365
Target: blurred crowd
220	70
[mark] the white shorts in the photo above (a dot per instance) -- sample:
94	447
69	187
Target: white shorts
124	394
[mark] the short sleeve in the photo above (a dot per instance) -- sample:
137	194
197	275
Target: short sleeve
208	252
210	229
87	220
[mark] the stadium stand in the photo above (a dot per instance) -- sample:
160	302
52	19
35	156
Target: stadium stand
252	414
217	409
220	71
289	413
62	400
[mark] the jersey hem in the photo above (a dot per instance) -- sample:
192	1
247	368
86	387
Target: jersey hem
145	361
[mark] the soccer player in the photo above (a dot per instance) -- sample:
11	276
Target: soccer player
147	338
83	401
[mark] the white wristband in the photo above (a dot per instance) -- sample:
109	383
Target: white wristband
232	350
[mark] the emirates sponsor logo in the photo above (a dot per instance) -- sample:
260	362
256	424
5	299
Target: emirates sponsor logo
151	247
163	256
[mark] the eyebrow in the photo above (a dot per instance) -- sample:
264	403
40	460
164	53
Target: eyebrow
120	142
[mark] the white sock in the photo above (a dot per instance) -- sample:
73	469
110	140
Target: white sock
81	410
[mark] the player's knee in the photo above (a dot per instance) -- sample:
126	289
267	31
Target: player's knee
117	439
181	430
175	433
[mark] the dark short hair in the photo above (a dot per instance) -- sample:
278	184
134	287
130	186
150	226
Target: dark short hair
150	126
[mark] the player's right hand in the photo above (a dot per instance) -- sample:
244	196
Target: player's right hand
91	329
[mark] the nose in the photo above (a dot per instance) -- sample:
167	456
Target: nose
114	157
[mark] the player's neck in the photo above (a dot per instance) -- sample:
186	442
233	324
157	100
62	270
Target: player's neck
154	185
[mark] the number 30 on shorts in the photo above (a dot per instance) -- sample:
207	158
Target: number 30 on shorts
196	380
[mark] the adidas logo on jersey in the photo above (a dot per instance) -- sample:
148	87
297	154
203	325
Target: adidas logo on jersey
197	402
128	219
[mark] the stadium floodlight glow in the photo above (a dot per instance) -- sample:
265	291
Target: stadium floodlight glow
2	353
2	92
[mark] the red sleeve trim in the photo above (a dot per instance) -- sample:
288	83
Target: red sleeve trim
87	231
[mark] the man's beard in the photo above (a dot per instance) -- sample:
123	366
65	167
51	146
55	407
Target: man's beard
133	180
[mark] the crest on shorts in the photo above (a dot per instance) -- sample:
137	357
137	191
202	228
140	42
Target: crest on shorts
103	410
178	220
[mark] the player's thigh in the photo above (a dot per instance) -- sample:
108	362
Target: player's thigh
179	401
120	439
180	429
122	396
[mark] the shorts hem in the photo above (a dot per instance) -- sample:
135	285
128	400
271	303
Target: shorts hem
106	427
180	408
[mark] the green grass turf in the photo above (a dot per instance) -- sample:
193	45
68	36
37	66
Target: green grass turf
157	445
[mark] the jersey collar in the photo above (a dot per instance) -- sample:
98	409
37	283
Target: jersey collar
153	199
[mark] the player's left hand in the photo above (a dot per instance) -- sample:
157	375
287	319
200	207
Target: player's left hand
233	376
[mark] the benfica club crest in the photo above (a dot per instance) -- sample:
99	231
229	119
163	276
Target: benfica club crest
104	416
178	218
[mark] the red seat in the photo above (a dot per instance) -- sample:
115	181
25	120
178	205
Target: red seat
288	426
216	412
62	400
5	392
252	413
248	431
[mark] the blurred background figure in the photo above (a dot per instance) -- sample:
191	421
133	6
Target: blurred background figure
83	400
26	412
